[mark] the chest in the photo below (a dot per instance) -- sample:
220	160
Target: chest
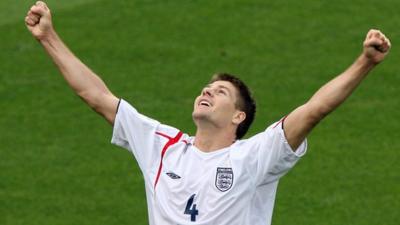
210	177
191	171
194	186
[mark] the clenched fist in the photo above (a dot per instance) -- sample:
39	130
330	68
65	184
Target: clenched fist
38	20
376	46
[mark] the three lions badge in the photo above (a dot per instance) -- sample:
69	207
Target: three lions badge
224	178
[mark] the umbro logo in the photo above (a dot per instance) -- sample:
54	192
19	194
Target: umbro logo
173	175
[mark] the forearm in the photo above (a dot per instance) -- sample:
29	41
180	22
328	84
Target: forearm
335	92
303	119
81	79
78	76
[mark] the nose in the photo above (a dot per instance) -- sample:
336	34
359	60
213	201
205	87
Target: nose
208	92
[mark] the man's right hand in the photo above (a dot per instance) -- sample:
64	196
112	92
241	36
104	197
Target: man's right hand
79	77
38	20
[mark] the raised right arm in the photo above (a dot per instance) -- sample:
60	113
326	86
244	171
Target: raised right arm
79	77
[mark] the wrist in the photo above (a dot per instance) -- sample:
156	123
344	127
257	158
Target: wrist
366	62
49	37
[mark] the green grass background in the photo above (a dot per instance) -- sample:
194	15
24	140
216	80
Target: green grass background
56	163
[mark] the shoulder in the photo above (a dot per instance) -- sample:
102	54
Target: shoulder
275	129
135	125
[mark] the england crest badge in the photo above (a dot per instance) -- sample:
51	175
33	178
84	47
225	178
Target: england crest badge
224	178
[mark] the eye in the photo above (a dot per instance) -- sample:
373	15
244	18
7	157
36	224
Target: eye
221	91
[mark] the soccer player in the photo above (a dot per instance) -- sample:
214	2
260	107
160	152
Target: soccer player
213	178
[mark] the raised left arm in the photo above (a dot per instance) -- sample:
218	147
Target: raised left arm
299	123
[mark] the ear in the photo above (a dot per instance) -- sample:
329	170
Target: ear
238	117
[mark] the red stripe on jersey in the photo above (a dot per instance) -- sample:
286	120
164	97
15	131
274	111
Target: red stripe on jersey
280	121
164	135
170	142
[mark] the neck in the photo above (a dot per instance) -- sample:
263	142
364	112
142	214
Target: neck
211	139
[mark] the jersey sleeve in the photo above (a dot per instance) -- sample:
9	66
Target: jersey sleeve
274	156
136	133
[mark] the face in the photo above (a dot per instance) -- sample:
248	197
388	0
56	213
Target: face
216	104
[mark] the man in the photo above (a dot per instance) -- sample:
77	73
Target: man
212	178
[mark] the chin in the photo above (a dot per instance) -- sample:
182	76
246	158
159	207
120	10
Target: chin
196	115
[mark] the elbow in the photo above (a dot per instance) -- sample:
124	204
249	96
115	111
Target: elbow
92	98
317	111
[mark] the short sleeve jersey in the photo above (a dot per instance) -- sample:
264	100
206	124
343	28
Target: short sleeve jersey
235	185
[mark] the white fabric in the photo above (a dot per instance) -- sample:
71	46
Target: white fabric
256	163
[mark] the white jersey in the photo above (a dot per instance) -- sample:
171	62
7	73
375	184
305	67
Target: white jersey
235	185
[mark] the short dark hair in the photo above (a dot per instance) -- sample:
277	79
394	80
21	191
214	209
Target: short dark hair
245	101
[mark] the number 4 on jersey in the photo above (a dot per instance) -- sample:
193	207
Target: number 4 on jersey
191	209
